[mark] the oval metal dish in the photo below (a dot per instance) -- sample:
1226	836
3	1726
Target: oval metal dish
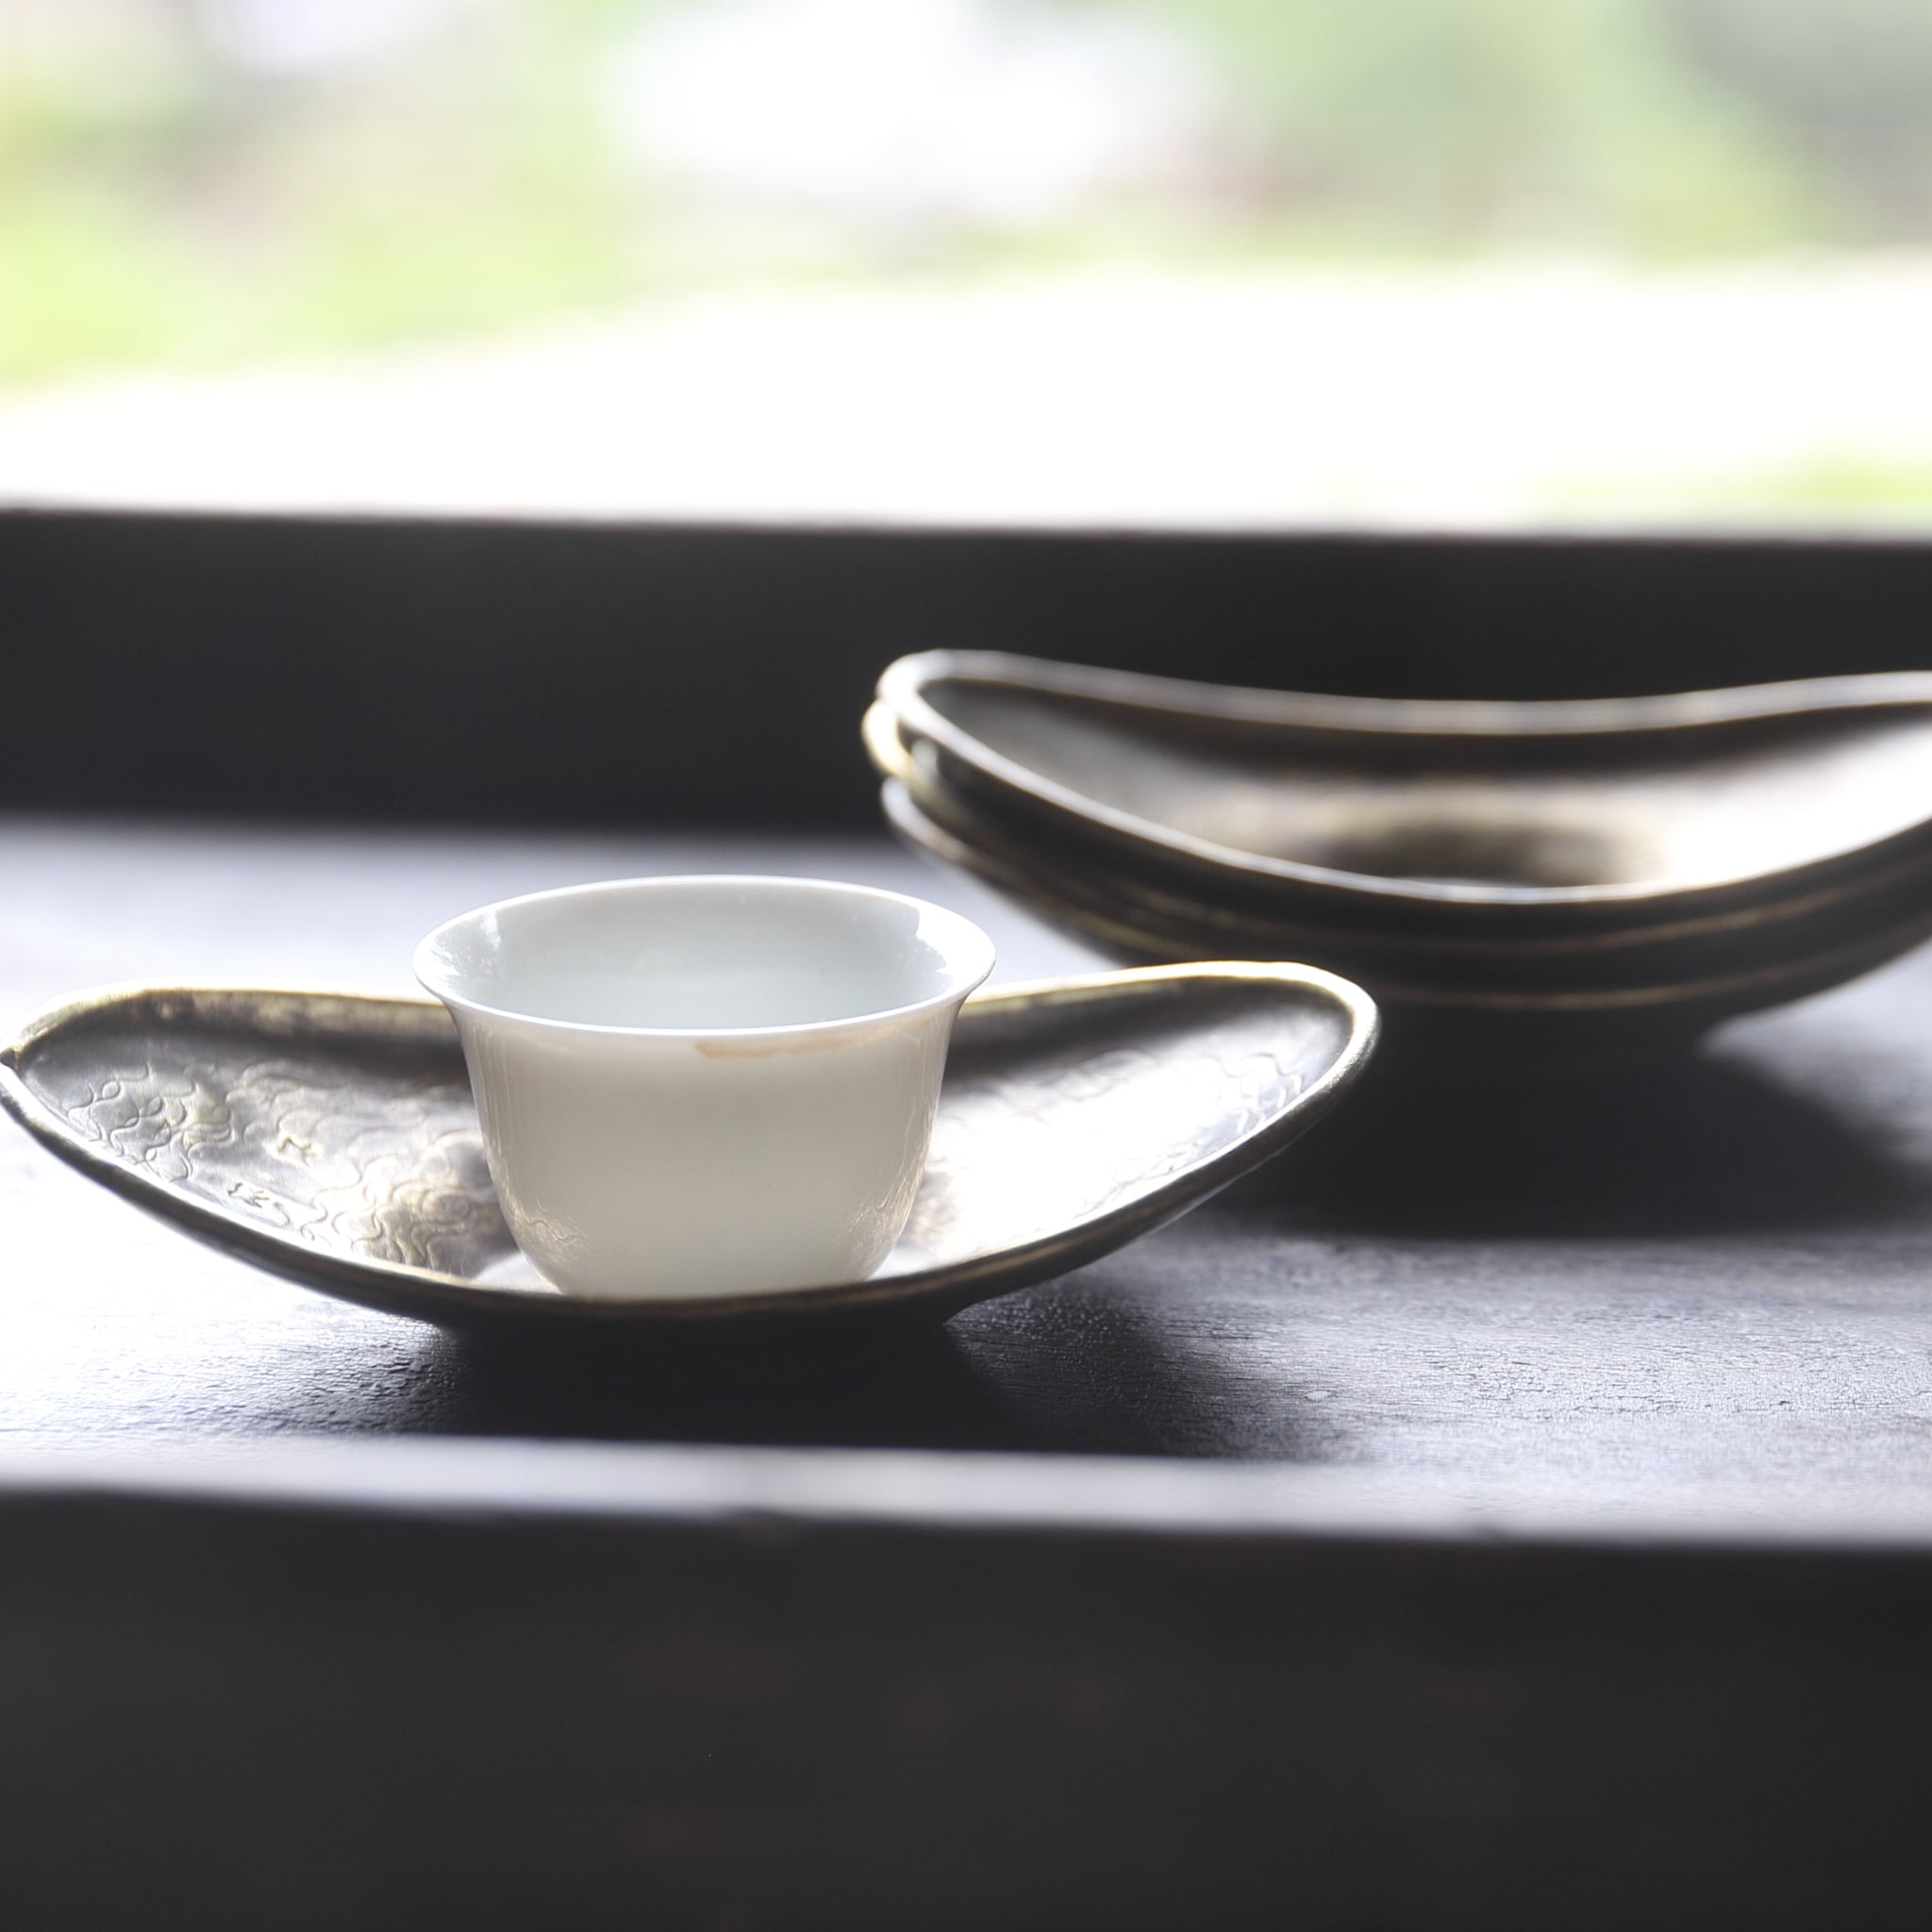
331	1136
1554	887
1494	1035
1791	928
1520	818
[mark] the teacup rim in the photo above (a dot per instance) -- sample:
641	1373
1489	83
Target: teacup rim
964	978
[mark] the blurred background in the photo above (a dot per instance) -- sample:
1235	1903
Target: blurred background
1445	262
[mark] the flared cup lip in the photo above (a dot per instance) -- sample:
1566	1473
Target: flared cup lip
965	949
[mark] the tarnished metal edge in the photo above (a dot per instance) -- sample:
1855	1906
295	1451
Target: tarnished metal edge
1790	980
901	690
1460	718
893	758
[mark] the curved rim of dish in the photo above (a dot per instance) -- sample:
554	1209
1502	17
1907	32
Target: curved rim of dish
429	1294
968	951
1289	935
1060	897
902	691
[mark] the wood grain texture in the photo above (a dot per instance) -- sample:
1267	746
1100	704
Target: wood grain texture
243	1715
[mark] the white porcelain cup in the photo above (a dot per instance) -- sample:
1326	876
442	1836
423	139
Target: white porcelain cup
706	1086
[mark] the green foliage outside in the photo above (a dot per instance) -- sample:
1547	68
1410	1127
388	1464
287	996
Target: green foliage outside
1851	486
151	207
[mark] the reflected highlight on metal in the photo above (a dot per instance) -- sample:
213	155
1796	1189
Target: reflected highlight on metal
1525	880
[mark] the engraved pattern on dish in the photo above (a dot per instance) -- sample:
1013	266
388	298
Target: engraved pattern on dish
333	1136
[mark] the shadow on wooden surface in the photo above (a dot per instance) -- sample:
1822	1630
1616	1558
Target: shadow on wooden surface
1705	1145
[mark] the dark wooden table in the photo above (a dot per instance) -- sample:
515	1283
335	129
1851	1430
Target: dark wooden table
1513	1507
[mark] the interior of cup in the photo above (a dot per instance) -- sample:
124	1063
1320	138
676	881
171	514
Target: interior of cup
705	954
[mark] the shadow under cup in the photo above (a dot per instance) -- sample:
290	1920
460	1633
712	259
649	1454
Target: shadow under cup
706	1086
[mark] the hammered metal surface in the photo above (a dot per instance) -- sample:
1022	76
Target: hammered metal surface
1037	1134
371	1155
334	1136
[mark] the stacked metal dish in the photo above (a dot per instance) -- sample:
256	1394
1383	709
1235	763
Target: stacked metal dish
1524	883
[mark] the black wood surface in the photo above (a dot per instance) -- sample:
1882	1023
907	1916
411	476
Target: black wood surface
407	1708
